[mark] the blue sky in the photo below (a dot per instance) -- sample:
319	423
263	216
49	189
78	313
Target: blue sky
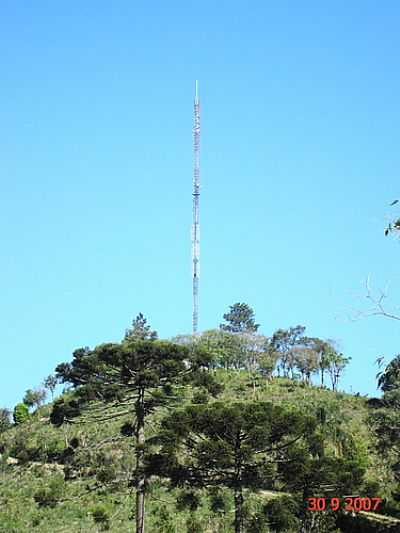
299	162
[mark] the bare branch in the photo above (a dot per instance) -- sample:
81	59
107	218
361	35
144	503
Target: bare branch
377	301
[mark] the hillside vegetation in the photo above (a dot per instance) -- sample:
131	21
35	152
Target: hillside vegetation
221	432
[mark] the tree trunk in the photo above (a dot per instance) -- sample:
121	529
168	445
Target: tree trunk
140	440
238	510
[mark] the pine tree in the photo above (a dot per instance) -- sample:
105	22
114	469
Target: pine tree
140	330
240	319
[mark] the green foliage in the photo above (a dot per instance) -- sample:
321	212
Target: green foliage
389	380
335	364
141	364
140	330
267	364
148	372
224	348
200	396
219	500
194	525
64	410
21	413
50	383
282	344
5	421
50	494
164	521
240	319
127	429
34	398
107	473
234	445
26	448
187	499
282	514
100	516
337	448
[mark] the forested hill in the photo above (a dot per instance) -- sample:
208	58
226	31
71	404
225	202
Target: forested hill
78	477
225	431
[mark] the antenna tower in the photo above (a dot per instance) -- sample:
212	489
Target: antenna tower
196	220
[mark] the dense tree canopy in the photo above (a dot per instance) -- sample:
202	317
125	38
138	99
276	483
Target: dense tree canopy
235	445
253	445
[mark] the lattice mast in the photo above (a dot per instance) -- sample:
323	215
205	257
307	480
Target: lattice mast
196	219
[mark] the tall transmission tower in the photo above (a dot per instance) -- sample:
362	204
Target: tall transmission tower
196	208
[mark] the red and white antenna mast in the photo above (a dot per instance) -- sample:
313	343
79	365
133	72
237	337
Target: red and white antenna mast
196	218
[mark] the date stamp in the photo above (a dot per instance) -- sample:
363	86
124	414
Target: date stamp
349	503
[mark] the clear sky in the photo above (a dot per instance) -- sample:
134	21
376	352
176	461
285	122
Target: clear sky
299	161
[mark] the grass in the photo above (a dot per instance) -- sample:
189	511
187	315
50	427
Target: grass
82	500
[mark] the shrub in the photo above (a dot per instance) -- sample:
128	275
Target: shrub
200	397
21	413
27	447
187	500
194	525
100	516
219	500
106	474
163	519
281	514
51	494
63	410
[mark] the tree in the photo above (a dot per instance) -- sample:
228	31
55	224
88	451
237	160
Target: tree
254	348
236	446
306	360
20	413
34	398
137	375
267	363
389	379
50	383
282	343
5	422
336	363
225	349
240	319
322	348
140	330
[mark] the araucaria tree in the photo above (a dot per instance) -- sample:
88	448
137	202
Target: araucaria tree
138	375
140	330
237	446
240	319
